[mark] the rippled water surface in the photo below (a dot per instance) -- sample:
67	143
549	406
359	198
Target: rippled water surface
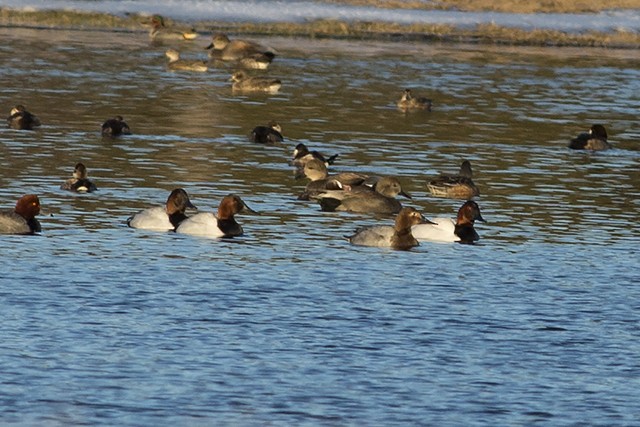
538	324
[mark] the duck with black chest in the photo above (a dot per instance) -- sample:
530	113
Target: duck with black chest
270	134
447	230
595	140
163	218
224	224
80	182
302	155
398	236
115	127
21	119
455	186
21	219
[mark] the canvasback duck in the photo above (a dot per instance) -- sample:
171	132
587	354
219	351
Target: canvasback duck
19	118
302	155
115	127
595	139
269	134
397	236
80	182
159	31
321	181
458	186
248	54
244	83
177	64
447	230
379	198
407	102
22	219
163	218
223	224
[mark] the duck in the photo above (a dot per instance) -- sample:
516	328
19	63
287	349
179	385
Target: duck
408	102
223	224
115	127
302	154
80	182
321	181
163	218
244	83
21	219
19	118
458	186
379	198
177	64
595	139
248	54
398	236
447	230
159	31
270	134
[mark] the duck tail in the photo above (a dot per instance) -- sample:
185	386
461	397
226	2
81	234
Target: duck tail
329	204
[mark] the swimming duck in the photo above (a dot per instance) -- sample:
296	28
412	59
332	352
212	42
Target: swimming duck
22	219
269	134
447	230
595	139
163	218
458	186
321	181
80	182
177	64
115	127
243	83
397	236
222	225
21	119
408	102
161	32
302	154
248	54
380	198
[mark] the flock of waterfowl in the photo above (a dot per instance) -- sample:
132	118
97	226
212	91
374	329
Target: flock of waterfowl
345	191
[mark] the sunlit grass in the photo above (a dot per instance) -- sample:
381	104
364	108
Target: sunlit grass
484	33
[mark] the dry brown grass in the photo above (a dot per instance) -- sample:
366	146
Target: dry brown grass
513	6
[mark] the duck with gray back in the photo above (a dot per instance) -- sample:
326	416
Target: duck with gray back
21	219
398	236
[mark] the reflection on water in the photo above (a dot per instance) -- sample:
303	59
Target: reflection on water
289	323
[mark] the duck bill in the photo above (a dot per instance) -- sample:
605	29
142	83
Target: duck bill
427	221
191	205
407	195
249	210
210	46
479	218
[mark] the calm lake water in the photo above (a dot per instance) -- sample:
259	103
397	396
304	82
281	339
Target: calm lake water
538	324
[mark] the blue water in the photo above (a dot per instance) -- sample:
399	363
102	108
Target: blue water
289	324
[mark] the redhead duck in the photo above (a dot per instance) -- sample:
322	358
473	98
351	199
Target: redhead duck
380	198
177	64
80	182
301	155
248	54
269	134
159	31
21	119
22	219
447	230
595	139
222	225
397	236
115	127
407	102
244	83
458	186
321	181
163	218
